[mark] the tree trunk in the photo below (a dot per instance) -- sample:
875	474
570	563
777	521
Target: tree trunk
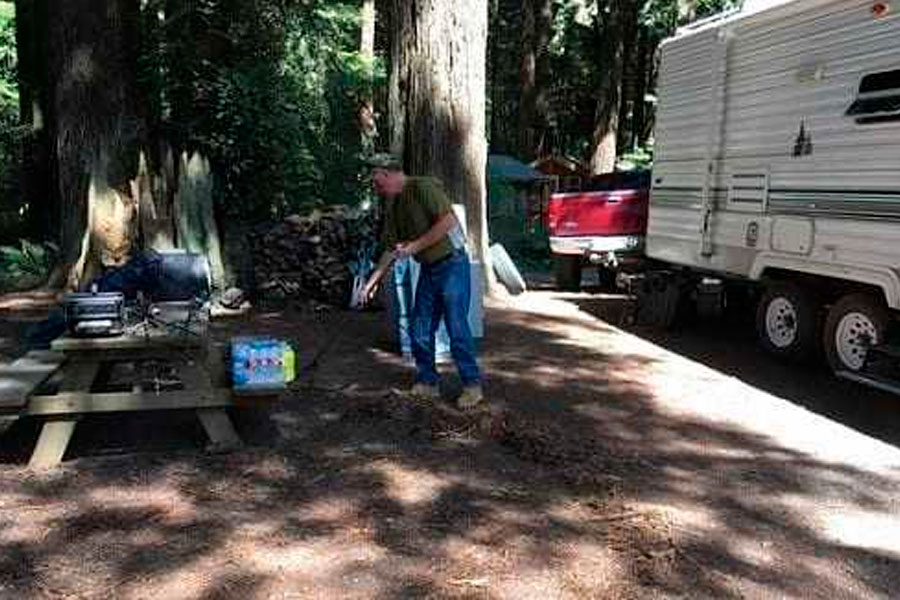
492	75
504	81
438	102
31	28
611	27
194	217
652	57
366	109
367	36
687	10
639	112
630	49
94	130
537	18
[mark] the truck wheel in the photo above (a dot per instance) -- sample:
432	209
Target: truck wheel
568	272
854	323
787	321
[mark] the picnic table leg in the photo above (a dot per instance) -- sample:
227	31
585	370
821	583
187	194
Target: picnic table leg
219	429
52	443
56	432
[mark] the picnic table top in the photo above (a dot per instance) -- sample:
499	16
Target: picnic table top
153	338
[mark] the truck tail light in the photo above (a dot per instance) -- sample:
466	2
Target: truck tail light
554	208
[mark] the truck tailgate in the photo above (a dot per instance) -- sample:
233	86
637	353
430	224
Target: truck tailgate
622	212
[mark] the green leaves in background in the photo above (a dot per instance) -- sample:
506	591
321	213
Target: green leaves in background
269	91
26	266
10	131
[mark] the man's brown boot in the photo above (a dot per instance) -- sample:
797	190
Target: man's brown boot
471	397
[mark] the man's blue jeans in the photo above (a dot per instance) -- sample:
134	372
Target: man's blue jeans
444	290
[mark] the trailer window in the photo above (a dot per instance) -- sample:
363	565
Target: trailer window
878	99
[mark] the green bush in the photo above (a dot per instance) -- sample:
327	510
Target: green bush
27	266
269	92
640	158
10	130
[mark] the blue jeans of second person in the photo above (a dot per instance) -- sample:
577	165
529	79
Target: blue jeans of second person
444	290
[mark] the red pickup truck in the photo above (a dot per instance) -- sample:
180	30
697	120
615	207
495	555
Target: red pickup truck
603	226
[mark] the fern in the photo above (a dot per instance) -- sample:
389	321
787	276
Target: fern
27	266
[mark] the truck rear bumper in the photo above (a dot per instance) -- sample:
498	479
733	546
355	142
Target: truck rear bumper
597	246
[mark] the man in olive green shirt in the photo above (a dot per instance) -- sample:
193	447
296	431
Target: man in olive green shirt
418	221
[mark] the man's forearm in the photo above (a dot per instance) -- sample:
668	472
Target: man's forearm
434	235
384	263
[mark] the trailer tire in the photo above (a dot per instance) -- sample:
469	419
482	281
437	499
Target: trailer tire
787	321
567	269
854	323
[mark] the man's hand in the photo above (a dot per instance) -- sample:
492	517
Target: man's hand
369	291
371	288
430	238
405	250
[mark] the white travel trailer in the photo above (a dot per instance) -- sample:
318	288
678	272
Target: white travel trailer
778	162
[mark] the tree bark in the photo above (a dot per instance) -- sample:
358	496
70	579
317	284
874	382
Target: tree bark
537	16
652	76
629	86
94	130
367	29
366	109
687	10
503	79
437	109
642	72
611	27
194	218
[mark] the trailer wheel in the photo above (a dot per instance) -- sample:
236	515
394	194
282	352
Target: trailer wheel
855	323
787	321
567	269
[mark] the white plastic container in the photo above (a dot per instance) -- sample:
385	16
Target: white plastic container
402	283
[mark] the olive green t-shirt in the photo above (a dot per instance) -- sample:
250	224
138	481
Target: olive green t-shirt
412	213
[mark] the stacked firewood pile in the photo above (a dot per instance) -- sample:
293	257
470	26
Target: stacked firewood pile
313	256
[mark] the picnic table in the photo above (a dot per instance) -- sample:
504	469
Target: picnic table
77	364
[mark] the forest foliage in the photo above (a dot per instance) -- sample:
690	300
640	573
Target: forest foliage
574	67
271	98
271	90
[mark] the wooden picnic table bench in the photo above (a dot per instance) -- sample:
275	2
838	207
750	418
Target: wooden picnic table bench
76	363
20	378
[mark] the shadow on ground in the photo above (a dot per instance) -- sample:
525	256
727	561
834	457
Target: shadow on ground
361	495
729	345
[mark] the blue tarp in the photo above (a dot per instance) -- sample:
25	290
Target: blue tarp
507	168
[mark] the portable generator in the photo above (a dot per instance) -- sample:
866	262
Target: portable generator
95	313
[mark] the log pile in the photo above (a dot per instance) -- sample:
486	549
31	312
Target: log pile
311	256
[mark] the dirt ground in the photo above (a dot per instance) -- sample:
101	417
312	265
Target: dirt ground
606	467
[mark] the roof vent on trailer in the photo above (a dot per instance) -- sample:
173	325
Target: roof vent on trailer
878	98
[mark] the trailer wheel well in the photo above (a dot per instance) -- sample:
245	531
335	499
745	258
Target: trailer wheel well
829	289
